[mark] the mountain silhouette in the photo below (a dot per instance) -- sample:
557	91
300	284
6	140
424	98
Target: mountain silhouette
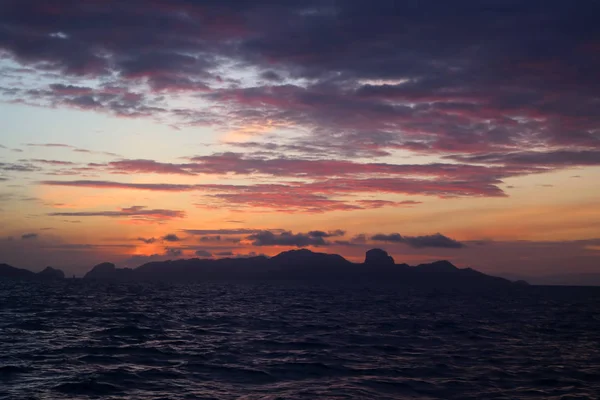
378	257
10	272
301	265
294	265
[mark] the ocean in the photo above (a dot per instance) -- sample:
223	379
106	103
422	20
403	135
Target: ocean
76	339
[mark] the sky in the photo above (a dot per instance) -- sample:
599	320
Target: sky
160	129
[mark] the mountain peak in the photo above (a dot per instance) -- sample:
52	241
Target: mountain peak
438	266
378	257
106	266
305	256
102	271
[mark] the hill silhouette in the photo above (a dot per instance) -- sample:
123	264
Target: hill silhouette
10	272
294	265
300	265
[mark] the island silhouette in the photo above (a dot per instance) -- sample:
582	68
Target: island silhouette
294	265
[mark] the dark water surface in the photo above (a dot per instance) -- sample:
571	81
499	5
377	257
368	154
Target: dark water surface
77	340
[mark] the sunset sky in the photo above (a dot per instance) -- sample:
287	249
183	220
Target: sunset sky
142	130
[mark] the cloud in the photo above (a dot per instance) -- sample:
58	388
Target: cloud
203	253
69	147
223	163
387	203
462	188
171	238
392	237
555	158
172	252
27	236
14	167
335	233
216	238
314	168
277	200
318	196
147	166
163	187
435	240
242	231
287	238
147	241
134	212
283	77
225	253
49	145
50	162
355	241
447	92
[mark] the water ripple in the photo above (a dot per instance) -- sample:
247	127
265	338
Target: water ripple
80	340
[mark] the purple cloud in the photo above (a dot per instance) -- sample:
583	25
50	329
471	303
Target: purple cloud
203	253
435	240
171	238
286	238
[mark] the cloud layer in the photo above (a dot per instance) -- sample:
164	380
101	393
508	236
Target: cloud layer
356	77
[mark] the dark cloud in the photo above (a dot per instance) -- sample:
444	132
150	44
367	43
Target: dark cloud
216	238
50	162
203	253
241	231
171	238
29	236
13	167
225	253
147	241
271	76
357	240
172	252
435	240
287	238
322	234
135	212
392	238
